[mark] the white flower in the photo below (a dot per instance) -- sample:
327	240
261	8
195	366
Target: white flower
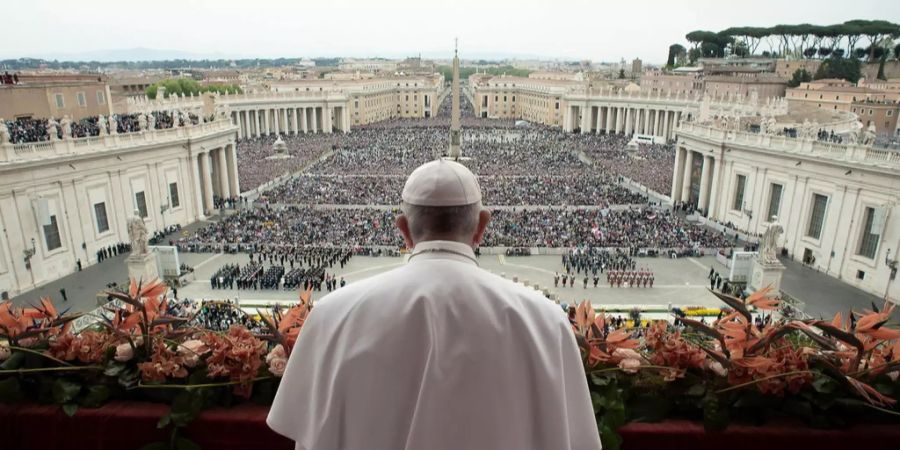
717	368
124	352
5	351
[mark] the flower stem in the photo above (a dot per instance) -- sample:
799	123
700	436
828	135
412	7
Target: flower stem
195	386
51	369
750	383
28	350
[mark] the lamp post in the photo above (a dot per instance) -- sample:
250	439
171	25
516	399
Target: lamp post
162	212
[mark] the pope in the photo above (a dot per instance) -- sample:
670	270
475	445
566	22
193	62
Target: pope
438	354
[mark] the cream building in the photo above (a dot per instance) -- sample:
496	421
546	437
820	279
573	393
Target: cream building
62	201
56	95
838	203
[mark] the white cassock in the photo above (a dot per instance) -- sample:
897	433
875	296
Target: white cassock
436	355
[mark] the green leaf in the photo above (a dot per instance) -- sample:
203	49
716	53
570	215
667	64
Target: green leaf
64	391
10	390
164	421
96	396
114	369
186	444
649	408
70	409
715	416
824	385
14	361
610	438
696	390
600	380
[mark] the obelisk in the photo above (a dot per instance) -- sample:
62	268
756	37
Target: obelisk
455	150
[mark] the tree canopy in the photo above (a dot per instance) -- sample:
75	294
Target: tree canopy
800	41
188	86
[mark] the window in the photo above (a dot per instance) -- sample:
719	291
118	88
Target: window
141	203
173	195
81	100
869	242
860	275
817	216
60	102
774	201
890	113
739	193
51	235
100	215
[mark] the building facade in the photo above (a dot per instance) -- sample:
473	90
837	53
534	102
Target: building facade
62	201
838	204
40	96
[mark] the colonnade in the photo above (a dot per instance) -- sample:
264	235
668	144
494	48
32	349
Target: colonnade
624	120
705	197
257	122
215	174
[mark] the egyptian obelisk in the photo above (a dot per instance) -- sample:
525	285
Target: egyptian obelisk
455	150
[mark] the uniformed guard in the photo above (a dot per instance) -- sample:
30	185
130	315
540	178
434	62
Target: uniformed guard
416	373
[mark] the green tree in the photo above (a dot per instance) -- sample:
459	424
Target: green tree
881	67
800	76
842	68
621	74
674	51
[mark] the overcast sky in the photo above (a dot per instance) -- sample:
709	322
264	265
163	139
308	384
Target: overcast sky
598	30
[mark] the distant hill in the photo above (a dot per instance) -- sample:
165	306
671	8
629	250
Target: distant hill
128	54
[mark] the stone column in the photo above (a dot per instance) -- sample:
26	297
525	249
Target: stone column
198	188
609	122
628	120
267	128
206	182
326	119
259	122
234	182
236	118
714	187
304	120
705	173
677	175
585	119
224	174
315	127
686	183
666	125
620	120
275	125
286	126
294	113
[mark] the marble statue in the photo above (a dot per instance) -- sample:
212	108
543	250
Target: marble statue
771	126
53	129
704	110
151	121
142	122
754	99
869	135
137	234
852	137
768	244
66	125
113	125
101	122
4	132
763	125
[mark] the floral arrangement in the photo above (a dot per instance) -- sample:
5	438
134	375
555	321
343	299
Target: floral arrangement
822	372
694	311
141	352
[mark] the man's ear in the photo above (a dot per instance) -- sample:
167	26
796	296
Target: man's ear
403	225
484	218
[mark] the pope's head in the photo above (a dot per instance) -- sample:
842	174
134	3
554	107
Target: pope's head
442	201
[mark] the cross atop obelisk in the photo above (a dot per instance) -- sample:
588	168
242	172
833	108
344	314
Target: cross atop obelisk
455	138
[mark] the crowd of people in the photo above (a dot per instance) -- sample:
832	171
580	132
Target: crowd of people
280	229
258	163
27	130
585	189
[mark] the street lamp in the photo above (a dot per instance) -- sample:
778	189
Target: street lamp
162	212
892	264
